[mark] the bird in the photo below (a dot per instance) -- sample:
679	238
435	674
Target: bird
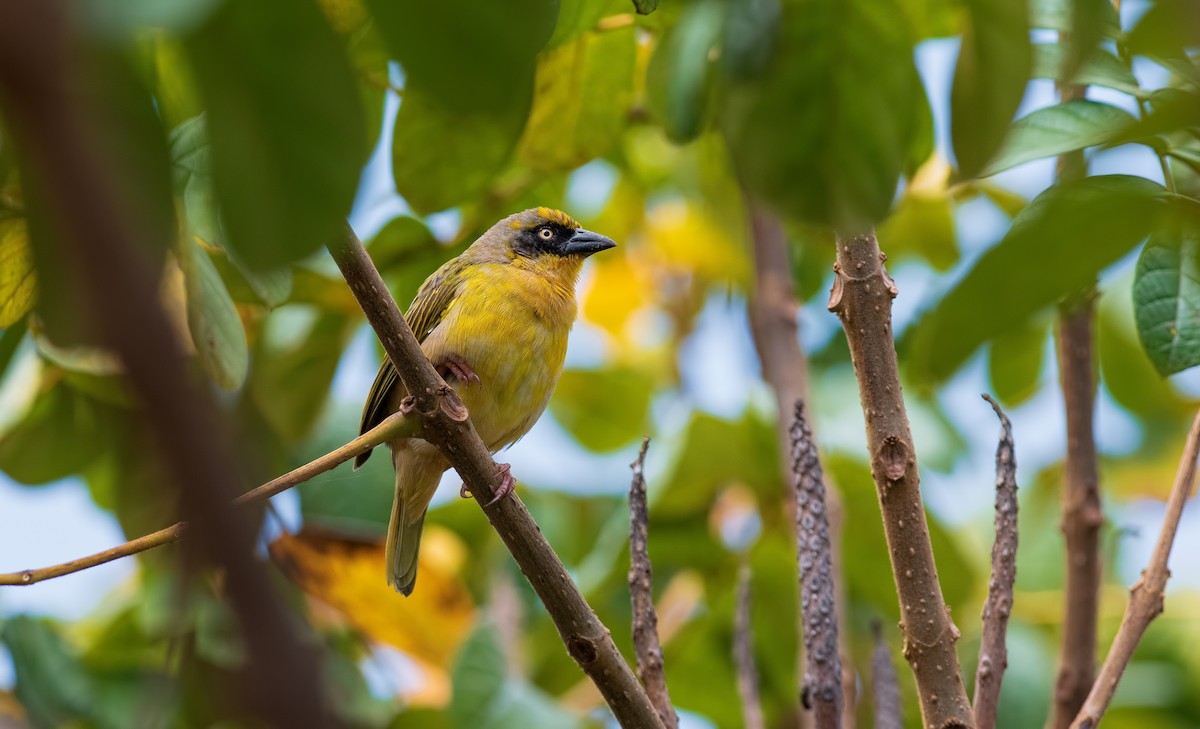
494	322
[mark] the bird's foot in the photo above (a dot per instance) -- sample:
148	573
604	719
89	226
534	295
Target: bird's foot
507	484
454	366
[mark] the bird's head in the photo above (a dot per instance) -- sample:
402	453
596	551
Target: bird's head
540	232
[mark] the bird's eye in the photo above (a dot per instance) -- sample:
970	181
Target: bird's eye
545	233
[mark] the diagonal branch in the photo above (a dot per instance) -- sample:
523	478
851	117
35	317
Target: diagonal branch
993	651
641	582
862	298
387	430
446	426
1146	595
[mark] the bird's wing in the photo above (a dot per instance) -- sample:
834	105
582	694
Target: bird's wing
429	307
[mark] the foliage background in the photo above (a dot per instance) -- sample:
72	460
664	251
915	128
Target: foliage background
635	125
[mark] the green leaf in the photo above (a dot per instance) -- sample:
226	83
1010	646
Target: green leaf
749	33
679	78
578	16
1015	361
1100	69
442	157
285	123
1126	369
213	320
1090	20
567	128
355	504
989	81
486	694
1056	246
10	341
1057	129
826	131
18	281
924	225
1166	299
51	685
1057	15
645	7
603	409
1168	28
62	433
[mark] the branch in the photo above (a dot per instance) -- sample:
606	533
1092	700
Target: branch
1146	595
772	310
822	687
862	298
993	652
743	654
885	689
387	430
641	583
446	426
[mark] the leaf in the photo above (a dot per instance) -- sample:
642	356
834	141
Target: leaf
1090	19
1056	246
1100	69
1015	362
576	17
285	124
50	683
826	131
1057	15
567	127
989	80
488	696
603	409
1166	299
1057	129
10	341
645	7
442	157
1127	372
62	433
213	320
1168	28
18	281
679	79
749	33
923	223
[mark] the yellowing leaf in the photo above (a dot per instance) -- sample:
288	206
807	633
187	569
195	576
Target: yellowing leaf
615	292
348	576
687	239
18	282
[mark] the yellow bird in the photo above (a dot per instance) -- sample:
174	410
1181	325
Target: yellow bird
494	322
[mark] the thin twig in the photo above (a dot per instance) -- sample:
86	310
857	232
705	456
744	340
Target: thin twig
743	653
445	425
822	685
862	298
993	650
641	593
1146	595
385	431
885	689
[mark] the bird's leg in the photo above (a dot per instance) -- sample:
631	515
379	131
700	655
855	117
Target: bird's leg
507	484
455	366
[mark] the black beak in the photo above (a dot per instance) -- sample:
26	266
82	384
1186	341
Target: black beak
585	243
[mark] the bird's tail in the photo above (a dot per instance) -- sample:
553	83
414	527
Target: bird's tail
415	483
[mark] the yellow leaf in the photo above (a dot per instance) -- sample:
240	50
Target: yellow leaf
688	240
615	291
349	577
18	282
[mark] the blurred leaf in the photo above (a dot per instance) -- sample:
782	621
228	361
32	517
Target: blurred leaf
923	223
1009	202
61	434
51	684
442	157
10	340
679	80
934	18
191	171
1126	369
1015	362
355	503
213	320
569	126
579	16
285	123
923	145
826	131
1166	299
707	463
1168	28
488	696
1100	69
124	19
1057	15
469	57
748	36
18	281
175	93
1056	246
645	7
406	253
1089	21
271	287
603	409
989	81
1171	110
1056	129
430	625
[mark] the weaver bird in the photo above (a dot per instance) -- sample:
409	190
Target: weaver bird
494	322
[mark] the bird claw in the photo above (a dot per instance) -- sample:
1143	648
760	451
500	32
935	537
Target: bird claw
457	367
507	484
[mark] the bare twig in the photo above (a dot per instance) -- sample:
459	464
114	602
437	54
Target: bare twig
385	431
993	651
96	233
822	685
445	424
885	689
862	298
772	311
641	583
1146	595
743	653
